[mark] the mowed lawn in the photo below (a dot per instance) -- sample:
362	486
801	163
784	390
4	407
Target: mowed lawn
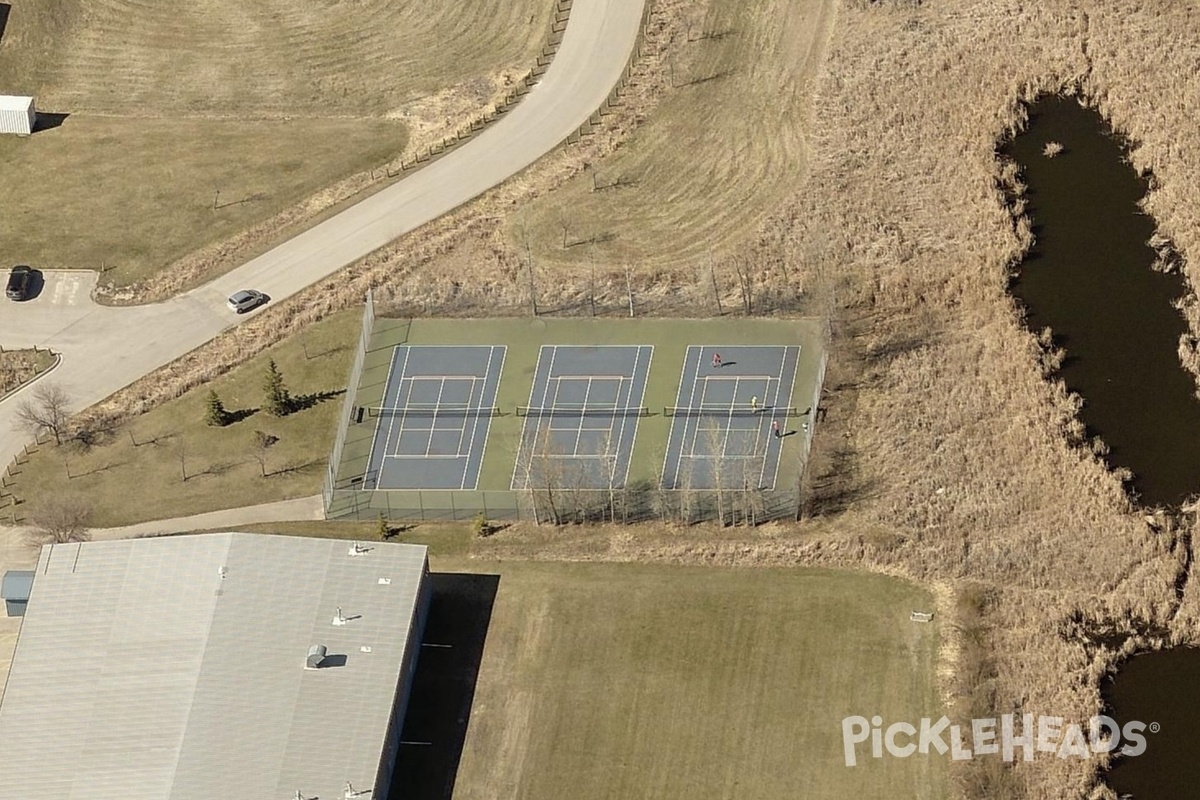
619	681
728	143
134	195
270	102
136	472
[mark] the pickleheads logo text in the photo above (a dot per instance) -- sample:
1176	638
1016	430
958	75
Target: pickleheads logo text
1004	737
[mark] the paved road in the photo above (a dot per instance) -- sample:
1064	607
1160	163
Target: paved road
105	349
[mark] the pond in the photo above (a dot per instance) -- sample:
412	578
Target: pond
1089	278
1158	689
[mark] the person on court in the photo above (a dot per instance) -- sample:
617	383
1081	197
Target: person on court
716	360
775	428
754	403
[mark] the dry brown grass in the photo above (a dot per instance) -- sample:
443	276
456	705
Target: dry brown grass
274	58
726	145
19	366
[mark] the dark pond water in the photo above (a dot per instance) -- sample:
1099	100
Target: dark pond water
1089	279
1159	688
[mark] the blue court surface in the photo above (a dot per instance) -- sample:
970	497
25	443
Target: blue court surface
582	417
432	427
732	417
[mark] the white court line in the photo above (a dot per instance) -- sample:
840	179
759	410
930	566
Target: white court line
728	419
636	420
762	475
471	399
512	485
471	403
592	377
433	420
767	378
696	383
375	439
488	425
587	392
431	377
402	457
683	434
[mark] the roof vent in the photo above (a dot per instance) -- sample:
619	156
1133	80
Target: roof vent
358	549
350	794
316	655
340	618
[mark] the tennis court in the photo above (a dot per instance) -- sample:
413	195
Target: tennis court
582	417
432	425
732	417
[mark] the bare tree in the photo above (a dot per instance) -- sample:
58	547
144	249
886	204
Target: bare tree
259	446
181	453
550	473
716	442
525	458
609	462
45	410
746	285
59	519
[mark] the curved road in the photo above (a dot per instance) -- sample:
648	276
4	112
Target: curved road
105	349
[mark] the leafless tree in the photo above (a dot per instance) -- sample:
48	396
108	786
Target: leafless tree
45	410
609	463
746	285
549	471
59	519
715	437
259	446
181	454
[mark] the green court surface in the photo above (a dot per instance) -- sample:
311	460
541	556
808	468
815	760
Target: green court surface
589	418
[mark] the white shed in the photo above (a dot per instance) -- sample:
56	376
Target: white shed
17	114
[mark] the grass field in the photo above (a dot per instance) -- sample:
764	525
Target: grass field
617	681
126	482
134	195
719	154
269	103
223	58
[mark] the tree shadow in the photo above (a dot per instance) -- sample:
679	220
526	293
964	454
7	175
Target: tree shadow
5	8
95	470
239	415
293	467
443	689
302	402
216	470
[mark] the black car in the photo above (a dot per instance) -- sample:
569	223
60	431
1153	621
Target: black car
19	282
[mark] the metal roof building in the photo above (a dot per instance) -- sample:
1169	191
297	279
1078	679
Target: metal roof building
178	669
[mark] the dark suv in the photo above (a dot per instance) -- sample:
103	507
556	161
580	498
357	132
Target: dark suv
19	282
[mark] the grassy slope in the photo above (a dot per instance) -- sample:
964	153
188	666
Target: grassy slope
136	195
162	100
721	152
606	681
126	483
228	58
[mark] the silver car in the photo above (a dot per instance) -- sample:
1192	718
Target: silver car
245	300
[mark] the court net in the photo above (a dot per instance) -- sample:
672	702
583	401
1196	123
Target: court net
582	411
732	411
433	410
